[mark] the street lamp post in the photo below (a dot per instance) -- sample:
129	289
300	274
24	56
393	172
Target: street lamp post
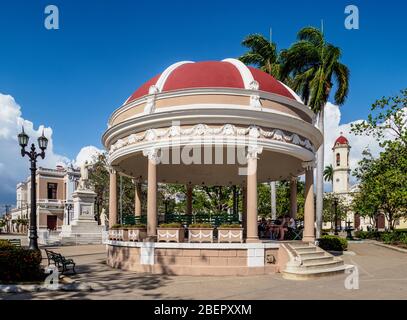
33	155
68	207
336	216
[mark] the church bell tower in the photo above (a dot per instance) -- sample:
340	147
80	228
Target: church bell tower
340	165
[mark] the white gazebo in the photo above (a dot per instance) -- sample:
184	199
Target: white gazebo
209	123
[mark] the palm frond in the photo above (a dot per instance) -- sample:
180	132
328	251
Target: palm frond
311	34
342	74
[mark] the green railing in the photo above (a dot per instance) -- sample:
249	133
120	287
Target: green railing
216	219
131	219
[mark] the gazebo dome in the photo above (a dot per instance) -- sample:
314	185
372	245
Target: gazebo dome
221	100
229	73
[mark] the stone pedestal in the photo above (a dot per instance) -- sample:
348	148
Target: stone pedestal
83	228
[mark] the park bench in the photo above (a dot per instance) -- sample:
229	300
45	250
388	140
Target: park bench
60	261
15	242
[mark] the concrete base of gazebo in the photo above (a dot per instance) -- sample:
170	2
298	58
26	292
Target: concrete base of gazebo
209	259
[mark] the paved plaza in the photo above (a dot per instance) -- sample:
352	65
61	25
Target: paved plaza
383	275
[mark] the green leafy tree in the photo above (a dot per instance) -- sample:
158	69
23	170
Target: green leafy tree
334	206
383	183
387	121
329	173
315	66
99	181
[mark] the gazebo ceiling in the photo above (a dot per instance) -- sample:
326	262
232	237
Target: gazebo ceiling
272	166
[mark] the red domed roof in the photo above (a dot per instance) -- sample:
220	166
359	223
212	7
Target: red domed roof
341	140
229	73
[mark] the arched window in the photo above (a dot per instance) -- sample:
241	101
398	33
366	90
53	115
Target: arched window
338	159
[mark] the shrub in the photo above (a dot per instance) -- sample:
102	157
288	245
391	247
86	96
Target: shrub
19	264
230	225
393	237
333	243
116	226
367	234
200	225
137	225
171	225
5	245
389	237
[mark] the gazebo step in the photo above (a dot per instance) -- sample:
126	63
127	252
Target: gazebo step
306	250
316	260
313	254
322	265
299	245
312	274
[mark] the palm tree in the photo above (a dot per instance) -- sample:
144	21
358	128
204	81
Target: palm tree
314	66
329	173
263	54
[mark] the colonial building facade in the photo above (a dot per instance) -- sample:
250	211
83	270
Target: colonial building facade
54	196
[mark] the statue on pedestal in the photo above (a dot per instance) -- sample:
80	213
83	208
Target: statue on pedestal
103	218
83	181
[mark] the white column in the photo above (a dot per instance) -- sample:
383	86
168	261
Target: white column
244	210
309	208
252	233
273	200
112	198
137	199
152	194
293	197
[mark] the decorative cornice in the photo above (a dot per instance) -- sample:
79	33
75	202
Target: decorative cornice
151	154
308	165
227	130
253	151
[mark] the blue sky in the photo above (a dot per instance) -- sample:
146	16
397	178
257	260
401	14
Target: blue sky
72	79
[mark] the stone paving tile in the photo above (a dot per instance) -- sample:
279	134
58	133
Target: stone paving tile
383	275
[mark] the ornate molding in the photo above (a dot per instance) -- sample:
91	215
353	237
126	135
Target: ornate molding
308	165
227	130
150	104
152	154
111	170
253	151
254	98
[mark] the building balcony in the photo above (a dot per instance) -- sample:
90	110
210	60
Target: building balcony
51	203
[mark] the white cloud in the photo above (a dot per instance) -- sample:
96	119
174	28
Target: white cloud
13	167
86	154
333	129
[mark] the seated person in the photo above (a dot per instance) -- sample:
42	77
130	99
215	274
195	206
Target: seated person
275	228
262	228
291	224
284	227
